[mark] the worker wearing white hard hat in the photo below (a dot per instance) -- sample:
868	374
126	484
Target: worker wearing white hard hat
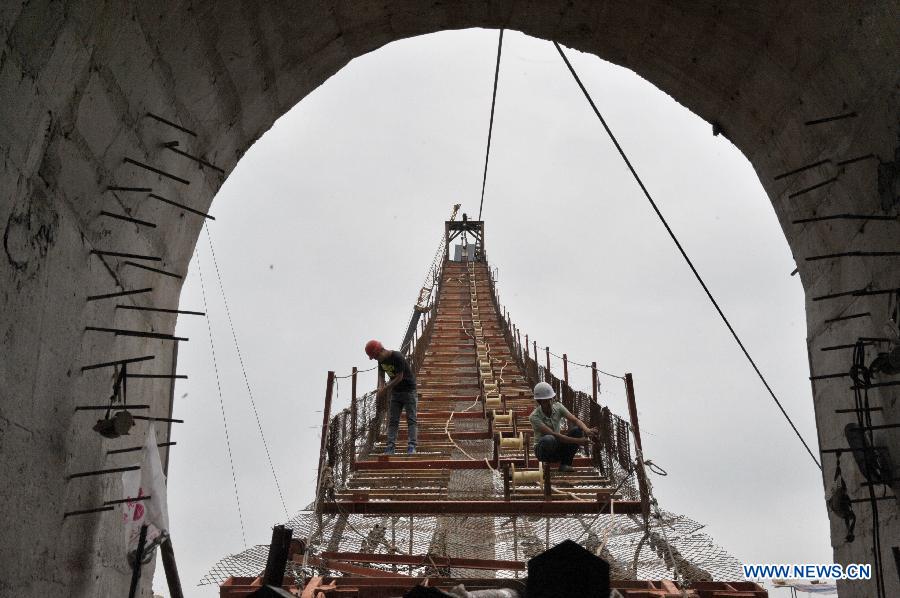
546	420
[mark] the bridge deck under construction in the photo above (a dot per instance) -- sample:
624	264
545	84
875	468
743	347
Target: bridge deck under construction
473	503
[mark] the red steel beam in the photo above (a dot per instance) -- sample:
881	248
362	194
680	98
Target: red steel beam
348	568
478	507
402	462
424	559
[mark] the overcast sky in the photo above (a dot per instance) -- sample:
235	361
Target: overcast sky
325	229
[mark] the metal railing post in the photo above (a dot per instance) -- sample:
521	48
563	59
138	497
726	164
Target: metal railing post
353	421
326	413
636	430
547	372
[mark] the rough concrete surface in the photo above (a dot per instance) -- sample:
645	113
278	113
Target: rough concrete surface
77	79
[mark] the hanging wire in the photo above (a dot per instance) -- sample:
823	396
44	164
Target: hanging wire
487	153
683	253
586	365
212	350
244	371
350	375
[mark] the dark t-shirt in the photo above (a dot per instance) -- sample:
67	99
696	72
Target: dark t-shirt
394	365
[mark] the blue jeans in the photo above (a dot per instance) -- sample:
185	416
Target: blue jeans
549	448
398	402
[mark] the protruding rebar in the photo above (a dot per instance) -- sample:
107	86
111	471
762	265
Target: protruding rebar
127	219
812	187
859	410
119	501
843	217
856	159
854	254
117	363
172	146
159	419
157	171
837	295
801	169
849	317
171	124
105	407
119	294
87	511
156	270
133	449
134	189
133	256
829	119
829	376
95	472
138	333
162	310
182	206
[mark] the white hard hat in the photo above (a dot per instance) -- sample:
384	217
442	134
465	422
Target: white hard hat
543	391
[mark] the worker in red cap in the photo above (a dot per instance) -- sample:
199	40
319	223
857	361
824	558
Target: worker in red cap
401	388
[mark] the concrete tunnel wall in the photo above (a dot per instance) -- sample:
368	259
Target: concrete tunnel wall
77	79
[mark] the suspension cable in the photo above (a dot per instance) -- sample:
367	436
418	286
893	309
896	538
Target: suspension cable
212	351
682	251
244	371
487	153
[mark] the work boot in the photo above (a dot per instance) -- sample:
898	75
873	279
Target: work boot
566	468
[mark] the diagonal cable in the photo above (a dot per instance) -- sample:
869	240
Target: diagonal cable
683	253
212	350
487	153
244	372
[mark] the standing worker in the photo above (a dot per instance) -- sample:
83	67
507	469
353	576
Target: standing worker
546	419
401	387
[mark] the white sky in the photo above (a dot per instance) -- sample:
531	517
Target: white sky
325	229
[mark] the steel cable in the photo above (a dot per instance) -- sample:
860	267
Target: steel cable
244	372
487	153
662	219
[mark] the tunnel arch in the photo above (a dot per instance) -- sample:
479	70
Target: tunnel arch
78	80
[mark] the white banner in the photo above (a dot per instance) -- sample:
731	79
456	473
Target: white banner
150	481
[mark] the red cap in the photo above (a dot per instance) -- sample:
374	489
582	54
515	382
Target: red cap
374	349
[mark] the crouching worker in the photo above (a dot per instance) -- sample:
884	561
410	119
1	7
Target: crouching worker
401	388
550	443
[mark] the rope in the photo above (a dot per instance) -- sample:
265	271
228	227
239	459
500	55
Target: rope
212	350
586	365
612	505
683	253
462	324
350	375
487	153
597	517
244	372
